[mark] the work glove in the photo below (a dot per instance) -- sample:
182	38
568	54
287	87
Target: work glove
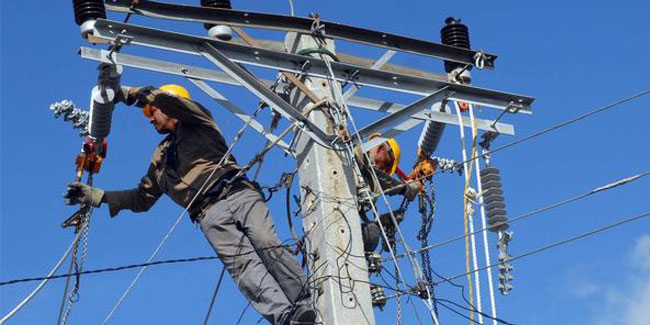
80	193
411	190
144	95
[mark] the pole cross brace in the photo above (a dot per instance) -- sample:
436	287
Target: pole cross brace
256	87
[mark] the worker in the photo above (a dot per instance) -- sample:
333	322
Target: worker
384	159
230	210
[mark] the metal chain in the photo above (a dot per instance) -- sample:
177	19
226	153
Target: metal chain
78	261
398	300
427	210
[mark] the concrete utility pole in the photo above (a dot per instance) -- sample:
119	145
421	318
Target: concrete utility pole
329	207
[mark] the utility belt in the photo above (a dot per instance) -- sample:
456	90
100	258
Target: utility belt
227	184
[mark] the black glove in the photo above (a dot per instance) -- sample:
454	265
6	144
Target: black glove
79	193
144	96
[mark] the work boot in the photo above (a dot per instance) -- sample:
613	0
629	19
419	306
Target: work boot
303	316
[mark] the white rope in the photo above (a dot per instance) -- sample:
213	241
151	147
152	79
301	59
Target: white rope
477	281
479	188
40	285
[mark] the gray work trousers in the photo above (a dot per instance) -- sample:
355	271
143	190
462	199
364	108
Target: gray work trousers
241	231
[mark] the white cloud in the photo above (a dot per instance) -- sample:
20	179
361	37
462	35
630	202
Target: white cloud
638	308
628	303
641	253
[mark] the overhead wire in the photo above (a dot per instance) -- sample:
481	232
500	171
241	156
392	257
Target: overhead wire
214	295
556	244
44	280
599	189
541	132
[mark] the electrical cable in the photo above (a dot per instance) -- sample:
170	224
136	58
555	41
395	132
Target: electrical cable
603	188
133	266
573	120
44	280
214	296
557	243
476	311
471	320
541	132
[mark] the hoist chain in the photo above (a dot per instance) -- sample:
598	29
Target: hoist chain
78	261
398	302
427	210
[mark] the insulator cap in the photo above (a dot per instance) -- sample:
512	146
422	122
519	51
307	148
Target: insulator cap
86	10
456	34
221	4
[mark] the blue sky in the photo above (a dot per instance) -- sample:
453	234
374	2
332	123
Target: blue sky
571	56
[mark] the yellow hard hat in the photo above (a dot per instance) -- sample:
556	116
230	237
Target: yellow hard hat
397	153
395	150
173	89
177	90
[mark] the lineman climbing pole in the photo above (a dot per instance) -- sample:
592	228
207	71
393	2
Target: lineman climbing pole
311	100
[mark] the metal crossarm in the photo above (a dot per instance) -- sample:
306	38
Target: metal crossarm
159	66
301	25
196	73
184	43
255	86
405	114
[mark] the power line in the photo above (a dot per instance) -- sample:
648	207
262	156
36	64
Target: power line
573	120
603	188
536	134
44	280
554	244
132	266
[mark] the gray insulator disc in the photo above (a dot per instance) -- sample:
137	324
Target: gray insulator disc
495	205
492	184
495	220
490	170
492	191
490	177
487	200
496	212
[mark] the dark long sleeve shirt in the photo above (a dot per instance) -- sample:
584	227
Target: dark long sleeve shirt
183	161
